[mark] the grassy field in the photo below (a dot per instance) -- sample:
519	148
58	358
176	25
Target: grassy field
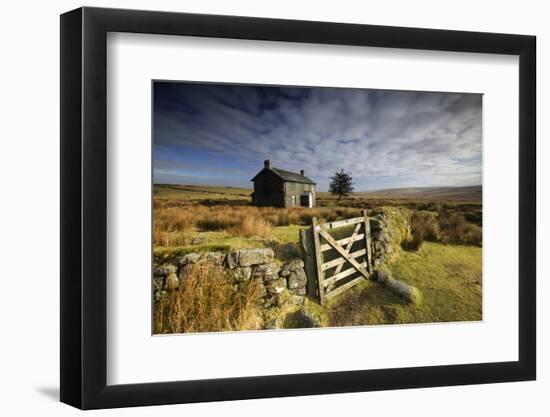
449	278
200	192
208	218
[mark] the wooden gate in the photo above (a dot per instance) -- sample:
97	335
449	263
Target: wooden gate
338	255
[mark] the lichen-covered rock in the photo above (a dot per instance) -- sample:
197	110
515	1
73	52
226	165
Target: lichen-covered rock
296	299
271	300
241	274
262	290
249	257
165	270
158	283
382	273
172	281
298	291
190	258
276	286
403	290
297	279
376	225
232	259
157	295
267	272
215	258
291	266
381	235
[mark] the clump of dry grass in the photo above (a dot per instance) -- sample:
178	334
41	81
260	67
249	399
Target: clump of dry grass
169	239
446	228
175	223
171	226
424	226
218	221
206	301
253	226
456	229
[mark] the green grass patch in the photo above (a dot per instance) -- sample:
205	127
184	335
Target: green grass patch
288	234
449	278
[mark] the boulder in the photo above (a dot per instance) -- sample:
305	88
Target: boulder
165	270
381	235
291	266
241	274
232	259
296	299
263	290
382	273
271	300
190	258
297	279
267	272
157	296
298	291
276	286
215	258
172	281
403	290
158	283
248	257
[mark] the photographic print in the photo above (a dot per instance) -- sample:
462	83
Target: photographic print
278	207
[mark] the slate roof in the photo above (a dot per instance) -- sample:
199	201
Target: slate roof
287	176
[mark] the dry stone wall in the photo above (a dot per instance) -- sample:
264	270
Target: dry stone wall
280	282
389	227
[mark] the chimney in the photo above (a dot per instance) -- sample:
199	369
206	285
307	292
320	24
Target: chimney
267	164
302	172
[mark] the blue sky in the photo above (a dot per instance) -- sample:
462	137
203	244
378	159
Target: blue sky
216	134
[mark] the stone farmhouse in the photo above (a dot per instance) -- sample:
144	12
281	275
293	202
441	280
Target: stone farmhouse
279	188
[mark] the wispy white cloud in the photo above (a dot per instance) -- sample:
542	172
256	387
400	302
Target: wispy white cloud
384	138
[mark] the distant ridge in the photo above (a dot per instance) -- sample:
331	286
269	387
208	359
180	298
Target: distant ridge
474	192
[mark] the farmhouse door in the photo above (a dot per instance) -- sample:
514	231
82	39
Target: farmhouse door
306	200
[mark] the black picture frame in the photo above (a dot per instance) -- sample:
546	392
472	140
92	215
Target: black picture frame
84	207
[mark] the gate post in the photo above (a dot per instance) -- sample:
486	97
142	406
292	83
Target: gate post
308	248
318	259
368	242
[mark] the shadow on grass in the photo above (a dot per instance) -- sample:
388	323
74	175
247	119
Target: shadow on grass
372	304
285	251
